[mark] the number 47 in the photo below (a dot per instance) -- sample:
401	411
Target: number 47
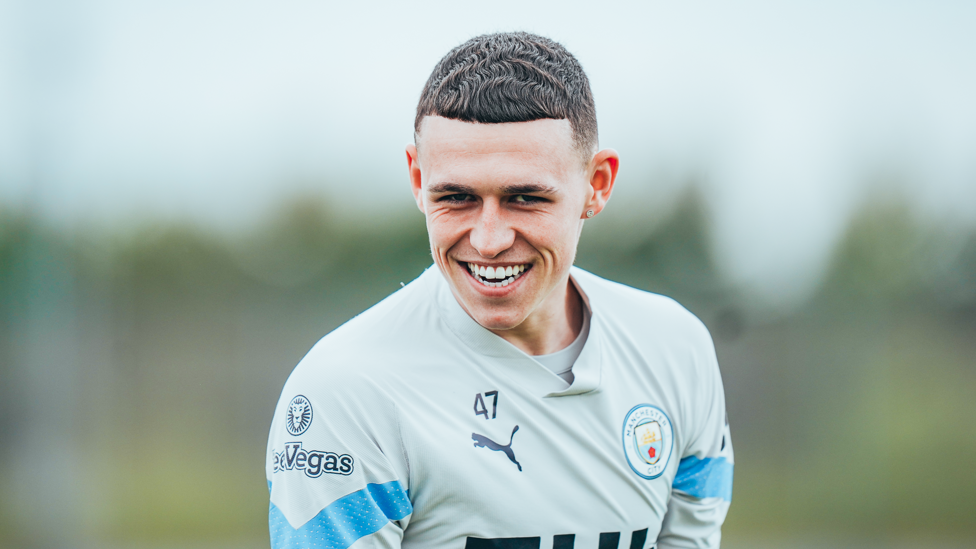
479	404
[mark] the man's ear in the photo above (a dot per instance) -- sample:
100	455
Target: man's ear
413	167
603	174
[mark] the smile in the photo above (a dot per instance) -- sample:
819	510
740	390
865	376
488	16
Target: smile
496	277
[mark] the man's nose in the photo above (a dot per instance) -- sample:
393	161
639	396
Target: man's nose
492	234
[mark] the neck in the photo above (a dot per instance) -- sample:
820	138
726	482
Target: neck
553	326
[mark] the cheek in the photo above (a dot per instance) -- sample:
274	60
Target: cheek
562	234
444	230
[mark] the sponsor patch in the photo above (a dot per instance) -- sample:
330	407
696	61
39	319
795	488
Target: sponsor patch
298	417
648	438
312	462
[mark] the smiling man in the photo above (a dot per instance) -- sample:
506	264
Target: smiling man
505	204
505	399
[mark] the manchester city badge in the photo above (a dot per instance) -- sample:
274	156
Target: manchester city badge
648	440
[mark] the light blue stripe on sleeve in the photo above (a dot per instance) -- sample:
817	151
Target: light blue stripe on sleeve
705	478
344	521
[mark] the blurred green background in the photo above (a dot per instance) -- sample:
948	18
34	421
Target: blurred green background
141	369
193	193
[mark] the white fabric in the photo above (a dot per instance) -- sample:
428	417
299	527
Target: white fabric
397	389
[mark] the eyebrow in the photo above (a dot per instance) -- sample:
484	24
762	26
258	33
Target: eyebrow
529	188
450	188
458	188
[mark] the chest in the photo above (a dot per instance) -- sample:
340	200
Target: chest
489	459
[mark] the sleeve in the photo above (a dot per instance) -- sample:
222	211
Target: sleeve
702	487
335	466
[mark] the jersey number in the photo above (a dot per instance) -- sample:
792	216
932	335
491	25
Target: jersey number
479	404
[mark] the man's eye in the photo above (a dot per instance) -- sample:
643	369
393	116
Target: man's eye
458	198
526	199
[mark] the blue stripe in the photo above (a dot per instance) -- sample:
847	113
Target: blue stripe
344	521
705	478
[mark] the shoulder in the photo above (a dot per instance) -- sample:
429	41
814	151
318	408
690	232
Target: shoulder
642	314
368	348
668	339
664	340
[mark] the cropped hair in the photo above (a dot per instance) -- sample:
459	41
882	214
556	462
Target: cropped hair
511	77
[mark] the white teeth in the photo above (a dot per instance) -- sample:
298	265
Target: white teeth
504	275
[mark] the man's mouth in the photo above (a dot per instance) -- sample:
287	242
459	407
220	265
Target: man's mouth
497	276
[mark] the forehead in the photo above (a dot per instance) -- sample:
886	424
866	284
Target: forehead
540	148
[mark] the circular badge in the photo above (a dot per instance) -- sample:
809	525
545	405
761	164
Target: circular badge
299	415
648	440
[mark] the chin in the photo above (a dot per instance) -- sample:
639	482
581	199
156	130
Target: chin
493	313
498	320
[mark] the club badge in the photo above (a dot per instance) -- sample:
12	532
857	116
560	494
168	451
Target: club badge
648	440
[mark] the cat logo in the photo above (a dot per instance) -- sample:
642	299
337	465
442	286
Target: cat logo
481	441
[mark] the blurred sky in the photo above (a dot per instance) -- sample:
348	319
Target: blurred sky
791	114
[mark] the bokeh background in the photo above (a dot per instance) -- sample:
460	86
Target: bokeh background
192	193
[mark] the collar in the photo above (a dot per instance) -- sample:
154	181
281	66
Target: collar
509	359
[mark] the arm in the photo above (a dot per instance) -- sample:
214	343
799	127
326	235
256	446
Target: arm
702	488
342	481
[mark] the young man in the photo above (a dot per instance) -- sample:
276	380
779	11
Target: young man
505	398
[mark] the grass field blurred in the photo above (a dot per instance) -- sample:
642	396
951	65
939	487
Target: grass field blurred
140	369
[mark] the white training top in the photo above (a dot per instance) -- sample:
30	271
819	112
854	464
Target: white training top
413	426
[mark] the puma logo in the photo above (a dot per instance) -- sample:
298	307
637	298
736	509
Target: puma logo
481	441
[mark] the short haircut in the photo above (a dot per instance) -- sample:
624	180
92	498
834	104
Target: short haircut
511	77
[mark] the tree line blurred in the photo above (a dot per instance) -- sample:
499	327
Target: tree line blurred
140	368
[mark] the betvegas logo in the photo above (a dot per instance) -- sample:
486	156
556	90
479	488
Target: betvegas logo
313	462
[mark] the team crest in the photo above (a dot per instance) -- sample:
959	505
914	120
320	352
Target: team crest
299	415
648	440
